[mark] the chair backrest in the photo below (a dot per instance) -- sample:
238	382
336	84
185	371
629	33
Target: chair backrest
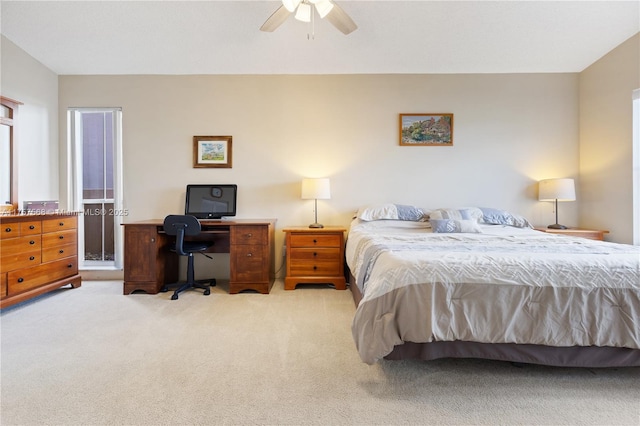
181	225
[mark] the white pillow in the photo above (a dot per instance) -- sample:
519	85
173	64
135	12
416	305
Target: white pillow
463	213
391	212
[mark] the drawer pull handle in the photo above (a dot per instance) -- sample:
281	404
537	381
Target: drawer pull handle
153	240
32	227
70	265
315	254
249	254
315	267
32	242
32	257
249	235
61	237
61	251
61	224
20	279
7	230
315	241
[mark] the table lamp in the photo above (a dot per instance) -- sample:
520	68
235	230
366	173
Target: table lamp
556	190
316	189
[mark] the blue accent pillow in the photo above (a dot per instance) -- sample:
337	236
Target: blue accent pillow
450	226
503	217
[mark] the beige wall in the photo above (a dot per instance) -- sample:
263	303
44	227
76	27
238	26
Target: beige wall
509	132
27	80
606	192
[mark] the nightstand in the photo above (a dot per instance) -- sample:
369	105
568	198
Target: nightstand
315	256
592	234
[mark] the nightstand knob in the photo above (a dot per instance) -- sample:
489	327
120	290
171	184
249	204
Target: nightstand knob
7	230
32	227
32	242
315	254
315	241
315	267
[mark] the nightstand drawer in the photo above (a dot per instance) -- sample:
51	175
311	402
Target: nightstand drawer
316	240
313	269
316	254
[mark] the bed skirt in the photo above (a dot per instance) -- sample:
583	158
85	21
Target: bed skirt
572	356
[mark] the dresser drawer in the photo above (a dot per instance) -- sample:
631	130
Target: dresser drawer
55	239
59	252
249	234
20	245
29	278
20	229
15	260
59	224
3	285
316	240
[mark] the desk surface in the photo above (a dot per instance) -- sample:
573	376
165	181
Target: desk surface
208	222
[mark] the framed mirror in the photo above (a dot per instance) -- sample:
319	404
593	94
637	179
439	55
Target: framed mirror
8	158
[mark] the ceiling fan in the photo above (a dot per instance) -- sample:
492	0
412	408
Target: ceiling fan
305	12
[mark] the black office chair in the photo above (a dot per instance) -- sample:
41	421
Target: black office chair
181	226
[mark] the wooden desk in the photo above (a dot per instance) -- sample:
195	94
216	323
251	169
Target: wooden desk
149	263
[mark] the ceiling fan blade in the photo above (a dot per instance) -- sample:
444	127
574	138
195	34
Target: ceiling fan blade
339	18
276	19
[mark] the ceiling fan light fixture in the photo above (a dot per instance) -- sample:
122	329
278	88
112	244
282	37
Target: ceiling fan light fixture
323	7
291	5
304	12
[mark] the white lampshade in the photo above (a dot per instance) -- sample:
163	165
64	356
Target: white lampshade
323	7
556	189
291	5
316	189
304	12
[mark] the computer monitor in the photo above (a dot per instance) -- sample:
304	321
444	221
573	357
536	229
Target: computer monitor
211	201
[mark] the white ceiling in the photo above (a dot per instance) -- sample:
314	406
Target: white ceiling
394	36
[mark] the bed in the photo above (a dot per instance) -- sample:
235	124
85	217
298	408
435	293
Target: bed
481	283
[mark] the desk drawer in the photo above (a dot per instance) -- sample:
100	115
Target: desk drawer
249	263
249	234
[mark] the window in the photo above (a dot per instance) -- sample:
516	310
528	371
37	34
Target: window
95	184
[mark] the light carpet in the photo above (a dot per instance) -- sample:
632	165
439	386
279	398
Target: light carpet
92	356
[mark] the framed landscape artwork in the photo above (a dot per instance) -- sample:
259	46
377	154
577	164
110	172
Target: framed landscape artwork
212	151
426	129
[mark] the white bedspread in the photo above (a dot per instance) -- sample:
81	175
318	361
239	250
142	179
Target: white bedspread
505	285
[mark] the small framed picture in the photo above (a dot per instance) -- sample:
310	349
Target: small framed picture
426	129
212	151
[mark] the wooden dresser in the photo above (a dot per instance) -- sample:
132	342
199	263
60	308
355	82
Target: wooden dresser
315	255
38	253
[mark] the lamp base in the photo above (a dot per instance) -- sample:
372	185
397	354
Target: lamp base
556	226
316	225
